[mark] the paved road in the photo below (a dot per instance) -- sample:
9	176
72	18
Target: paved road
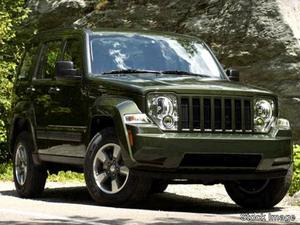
181	204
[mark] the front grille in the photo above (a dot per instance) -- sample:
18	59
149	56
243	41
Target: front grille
215	114
220	160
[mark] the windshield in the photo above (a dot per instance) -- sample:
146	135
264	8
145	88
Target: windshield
117	52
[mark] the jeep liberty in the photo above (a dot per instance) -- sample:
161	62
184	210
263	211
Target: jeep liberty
136	111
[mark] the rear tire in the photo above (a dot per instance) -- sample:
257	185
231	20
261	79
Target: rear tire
259	194
29	178
109	181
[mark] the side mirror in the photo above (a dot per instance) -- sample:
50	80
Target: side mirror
65	69
233	75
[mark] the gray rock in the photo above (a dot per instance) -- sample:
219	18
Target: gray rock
261	38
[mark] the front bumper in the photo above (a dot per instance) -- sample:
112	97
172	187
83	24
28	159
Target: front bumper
214	155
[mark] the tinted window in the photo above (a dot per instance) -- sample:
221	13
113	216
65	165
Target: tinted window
73	53
51	54
27	63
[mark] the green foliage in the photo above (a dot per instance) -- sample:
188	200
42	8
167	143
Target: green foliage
6	174
296	174
66	177
12	14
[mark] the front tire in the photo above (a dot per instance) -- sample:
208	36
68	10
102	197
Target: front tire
259	194
158	186
29	178
109	181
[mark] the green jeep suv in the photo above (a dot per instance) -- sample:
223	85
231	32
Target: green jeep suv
136	111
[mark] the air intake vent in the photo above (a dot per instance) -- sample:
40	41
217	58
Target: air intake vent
220	160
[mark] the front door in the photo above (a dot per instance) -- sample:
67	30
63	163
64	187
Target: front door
68	114
42	82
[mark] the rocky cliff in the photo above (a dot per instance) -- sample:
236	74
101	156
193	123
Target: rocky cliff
261	38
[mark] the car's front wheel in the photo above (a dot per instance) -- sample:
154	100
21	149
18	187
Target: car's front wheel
259	194
108	179
158	186
29	178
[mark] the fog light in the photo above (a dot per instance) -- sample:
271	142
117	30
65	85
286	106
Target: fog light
259	122
168	122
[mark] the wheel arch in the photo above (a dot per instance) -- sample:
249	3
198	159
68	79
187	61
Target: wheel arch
19	125
109	112
98	123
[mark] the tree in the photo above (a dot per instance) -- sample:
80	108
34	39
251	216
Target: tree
12	15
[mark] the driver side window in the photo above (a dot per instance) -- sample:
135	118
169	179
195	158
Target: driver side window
51	54
73	53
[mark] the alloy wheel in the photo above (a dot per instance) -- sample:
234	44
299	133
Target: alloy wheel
21	166
109	170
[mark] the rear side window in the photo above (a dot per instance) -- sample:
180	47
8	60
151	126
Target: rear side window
28	63
51	54
73	53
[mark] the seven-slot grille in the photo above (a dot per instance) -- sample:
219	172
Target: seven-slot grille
215	114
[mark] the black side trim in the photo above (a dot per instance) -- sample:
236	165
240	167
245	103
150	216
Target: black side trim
59	135
62	159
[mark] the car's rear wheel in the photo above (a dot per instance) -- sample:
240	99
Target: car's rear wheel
259	194
108	179
29	178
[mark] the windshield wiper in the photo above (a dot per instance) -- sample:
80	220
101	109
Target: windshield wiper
131	71
181	72
178	72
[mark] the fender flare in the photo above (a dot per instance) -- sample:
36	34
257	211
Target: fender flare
116	108
26	117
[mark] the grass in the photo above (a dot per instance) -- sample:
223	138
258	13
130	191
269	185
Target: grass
295	187
63	177
68	176
6	172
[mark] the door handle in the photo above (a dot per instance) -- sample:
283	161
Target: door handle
53	90
29	90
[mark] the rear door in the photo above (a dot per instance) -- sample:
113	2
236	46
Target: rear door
23	84
22	101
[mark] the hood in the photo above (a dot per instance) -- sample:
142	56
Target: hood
144	83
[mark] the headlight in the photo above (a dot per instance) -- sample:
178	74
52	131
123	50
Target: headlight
163	110
263	115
